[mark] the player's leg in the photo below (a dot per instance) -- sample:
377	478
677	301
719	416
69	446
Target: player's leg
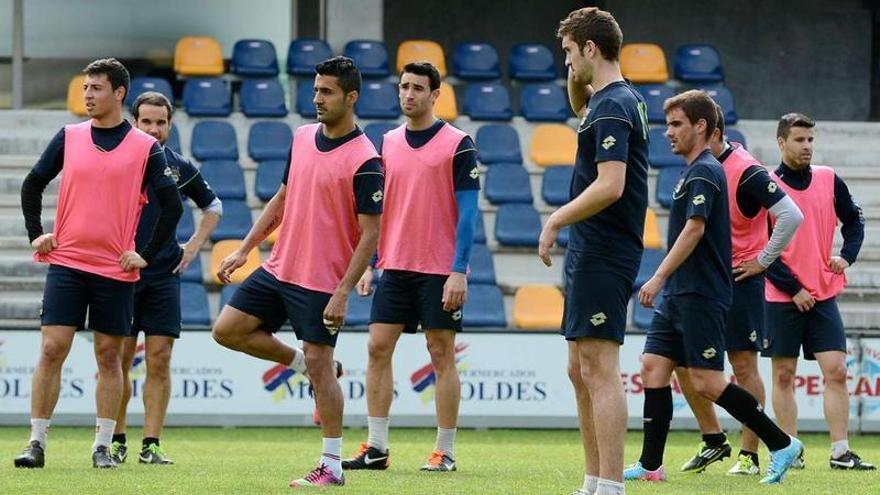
585	423
784	403
119	449
714	446
447	397
157	393
745	369
108	394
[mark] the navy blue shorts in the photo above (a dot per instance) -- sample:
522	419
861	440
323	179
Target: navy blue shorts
745	320
157	306
818	330
274	302
595	300
411	298
70	294
689	329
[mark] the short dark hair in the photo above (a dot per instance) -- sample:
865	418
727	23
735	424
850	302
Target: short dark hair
153	98
423	68
719	120
696	104
789	120
344	69
115	71
598	26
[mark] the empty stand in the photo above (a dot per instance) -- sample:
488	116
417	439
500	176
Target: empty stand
651	259
698	64
226	178
263	98
655	95
476	61
194	304
377	100
532	62
214	140
371	57
724	98
666	181
193	272
660	150
517	225
484	307
544	102
421	50
269	141
305	99
482	268
538	307
173	140
508	183
140	85
487	101
498	143
304	54
445	107
198	56
556	185
375	131
553	144
207	97
268	180
562	238
480	230
76	103
235	223
643	63
254	58
358	314
652	239
224	248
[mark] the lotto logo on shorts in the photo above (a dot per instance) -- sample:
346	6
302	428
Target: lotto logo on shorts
753	336
457	315
710	353
598	319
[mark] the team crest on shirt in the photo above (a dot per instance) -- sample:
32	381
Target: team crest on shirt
772	187
583	125
608	142
377	196
699	199
677	189
710	353
172	172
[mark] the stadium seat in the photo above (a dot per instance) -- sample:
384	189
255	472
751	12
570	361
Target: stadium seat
475	61
226	294
487	101
193	272
254	58
508	183
269	175
480	231
207	97
651	259
214	140
698	63
538	307
140	85
651	237
556	185
482	268
517	225
198	56
544	102
660	150
498	143
735	136
642	316
655	95
304	54
421	50
223	249
643	63
194	304
562	238
263	98
305	96
553	144
358	314
235	223
76	103
186	226
375	131
269	141
445	106
484	307
378	100
226	179
666	181
173	140
724	98
532	62
371	57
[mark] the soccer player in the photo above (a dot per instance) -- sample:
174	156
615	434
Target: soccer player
328	208
697	283
804	282
752	196
609	196
157	293
93	265
432	186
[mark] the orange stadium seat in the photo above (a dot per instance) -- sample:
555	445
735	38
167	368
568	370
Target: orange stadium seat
421	50
538	307
652	239
198	56
553	144
75	102
222	249
643	63
445	108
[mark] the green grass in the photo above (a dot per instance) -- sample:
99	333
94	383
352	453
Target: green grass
263	460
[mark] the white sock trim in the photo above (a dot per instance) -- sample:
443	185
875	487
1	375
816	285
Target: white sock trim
377	432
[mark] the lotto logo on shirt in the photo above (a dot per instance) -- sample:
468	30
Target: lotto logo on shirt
424	378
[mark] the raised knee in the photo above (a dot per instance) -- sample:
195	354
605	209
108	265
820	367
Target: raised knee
222	334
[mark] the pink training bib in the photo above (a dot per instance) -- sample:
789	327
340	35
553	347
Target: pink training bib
748	235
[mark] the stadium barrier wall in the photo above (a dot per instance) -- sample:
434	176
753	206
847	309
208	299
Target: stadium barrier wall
508	380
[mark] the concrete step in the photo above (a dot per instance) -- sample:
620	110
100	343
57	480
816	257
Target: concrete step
20	305
20	264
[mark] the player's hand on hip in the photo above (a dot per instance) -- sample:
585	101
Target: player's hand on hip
804	301
454	291
548	236
365	284
838	264
189	253
229	264
747	269
130	261
334	312
45	243
649	291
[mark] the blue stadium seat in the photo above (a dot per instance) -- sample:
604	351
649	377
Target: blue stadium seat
173	141
263	98
235	223
269	175
193	272
207	97
475	61
487	101
226	294
254	58
194	304
544	102
562	238
508	183
735	136
269	141
304	54
556	185
378	100
186	226
480	230
655	95
532	62
375	131
214	140
642	316
651	259
498	143
666	182
141	85
660	150
517	225
482	268
484	307
724	98
225	177
698	63
371	57
358	314
305	94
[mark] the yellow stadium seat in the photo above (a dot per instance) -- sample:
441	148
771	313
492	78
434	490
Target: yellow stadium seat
538	307
553	144
198	56
223	249
652	238
75	102
445	107
643	63
421	50
273	237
